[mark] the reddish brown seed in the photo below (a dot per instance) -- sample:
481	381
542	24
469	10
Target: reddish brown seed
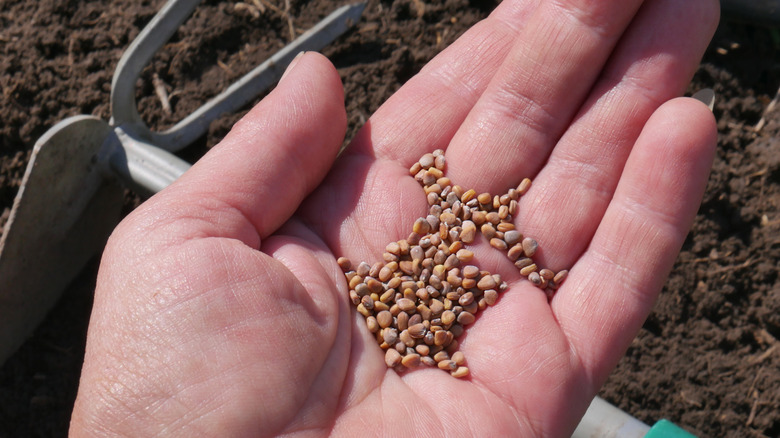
511	237
505	226
406	305
468	195
424	311
503	212
491	296
356	280
448	218
392	357
493	218
526	271
402	321
415	169
385	273
372	325
363	311
484	198
460	372
344	264
354	297
421	226
422	349
466	299
465	255
384	318
560	276
406	338
447	365
497	243
466	318
458	357
417	331
374	285
487	282
440	162
524	185
547	274
488	231
469	283
523	262
436	307
441	356
478	217
447	317
470	271
390	335
367	302
514	252
529	246
440	338
455	247
411	360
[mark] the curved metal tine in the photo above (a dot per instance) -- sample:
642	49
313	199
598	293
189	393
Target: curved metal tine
259	79
156	33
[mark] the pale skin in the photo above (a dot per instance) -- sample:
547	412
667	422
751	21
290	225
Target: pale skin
220	309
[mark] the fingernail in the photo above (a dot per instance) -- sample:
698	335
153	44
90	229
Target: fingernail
292	65
706	96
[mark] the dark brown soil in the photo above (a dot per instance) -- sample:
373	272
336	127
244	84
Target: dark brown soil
708	358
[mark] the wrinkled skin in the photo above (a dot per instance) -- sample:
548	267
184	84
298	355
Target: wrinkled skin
197	332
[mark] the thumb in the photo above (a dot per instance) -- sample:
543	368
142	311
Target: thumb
254	180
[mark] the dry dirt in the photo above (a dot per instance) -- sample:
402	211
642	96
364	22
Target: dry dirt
708	357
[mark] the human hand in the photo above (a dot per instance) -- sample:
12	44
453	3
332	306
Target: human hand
196	331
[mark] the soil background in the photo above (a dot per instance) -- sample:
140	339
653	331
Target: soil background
708	357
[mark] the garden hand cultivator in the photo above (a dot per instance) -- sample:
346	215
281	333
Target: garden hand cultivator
70	198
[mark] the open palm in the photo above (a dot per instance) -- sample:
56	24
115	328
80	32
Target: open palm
196	331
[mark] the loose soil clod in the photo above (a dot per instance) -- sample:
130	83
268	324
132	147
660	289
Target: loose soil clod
420	299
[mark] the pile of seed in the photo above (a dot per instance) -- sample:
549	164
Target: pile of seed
418	301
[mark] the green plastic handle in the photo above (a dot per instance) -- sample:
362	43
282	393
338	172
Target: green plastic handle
667	429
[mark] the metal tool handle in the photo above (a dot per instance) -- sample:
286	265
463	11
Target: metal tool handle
160	29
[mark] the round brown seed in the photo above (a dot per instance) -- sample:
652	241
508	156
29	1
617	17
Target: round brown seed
372	325
406	305
529	246
384	318
344	264
487	282
392	357
526	271
460	372
406	338
524	185
458	357
560	276
511	237
411	360
484	198
497	243
466	318
447	365
488	230
514	252
491	296
464	255
390	335
447	317
466	299
417	331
